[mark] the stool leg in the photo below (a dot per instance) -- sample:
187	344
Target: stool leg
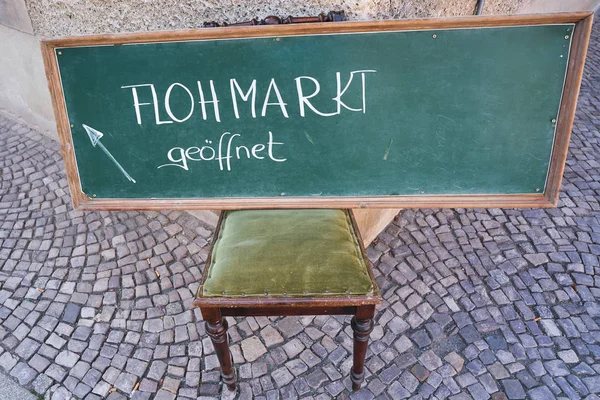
362	329
217	330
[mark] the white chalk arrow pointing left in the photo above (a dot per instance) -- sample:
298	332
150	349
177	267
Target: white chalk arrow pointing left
95	137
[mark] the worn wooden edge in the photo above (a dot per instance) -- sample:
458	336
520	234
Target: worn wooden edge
208	262
62	122
284	302
568	105
421	201
319	28
365	257
282	311
340	301
549	198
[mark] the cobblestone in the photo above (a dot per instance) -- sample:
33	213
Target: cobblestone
478	304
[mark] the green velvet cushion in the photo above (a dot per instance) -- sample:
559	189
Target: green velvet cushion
286	253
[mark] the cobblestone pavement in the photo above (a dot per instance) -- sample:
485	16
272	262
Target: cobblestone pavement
478	303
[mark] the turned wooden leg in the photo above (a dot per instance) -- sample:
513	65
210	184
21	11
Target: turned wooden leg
217	330
362	329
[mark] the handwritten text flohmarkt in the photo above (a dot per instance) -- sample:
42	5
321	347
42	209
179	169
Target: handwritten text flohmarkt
245	104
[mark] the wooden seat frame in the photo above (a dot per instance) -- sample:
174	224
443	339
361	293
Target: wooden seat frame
215	309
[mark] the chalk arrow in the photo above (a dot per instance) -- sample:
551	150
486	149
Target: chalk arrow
95	137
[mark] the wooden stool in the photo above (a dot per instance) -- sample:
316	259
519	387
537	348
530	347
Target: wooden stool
287	262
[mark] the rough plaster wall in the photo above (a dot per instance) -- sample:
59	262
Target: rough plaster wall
72	17
549	6
54	18
503	7
23	88
14	15
430	8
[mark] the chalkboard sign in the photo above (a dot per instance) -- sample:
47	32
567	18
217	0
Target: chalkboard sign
461	112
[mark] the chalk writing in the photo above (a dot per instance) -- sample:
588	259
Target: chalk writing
244	104
95	136
223	153
307	88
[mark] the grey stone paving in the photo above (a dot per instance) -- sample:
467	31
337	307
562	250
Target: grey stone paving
11	390
478	303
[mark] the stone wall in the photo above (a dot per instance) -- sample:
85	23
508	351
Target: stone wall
23	89
60	18
56	18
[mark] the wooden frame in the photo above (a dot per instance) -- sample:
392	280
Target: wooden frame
362	307
549	198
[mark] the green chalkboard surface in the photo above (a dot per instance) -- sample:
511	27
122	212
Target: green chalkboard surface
426	112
